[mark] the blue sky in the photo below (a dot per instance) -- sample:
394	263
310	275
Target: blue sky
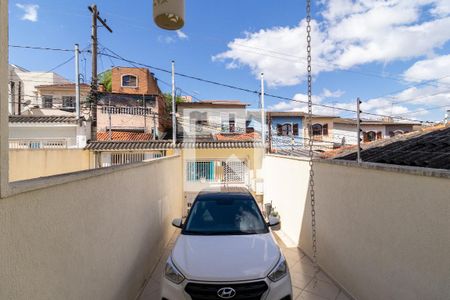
393	54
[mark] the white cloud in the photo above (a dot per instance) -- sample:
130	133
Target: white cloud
181	35
166	39
437	68
353	32
326	93
30	11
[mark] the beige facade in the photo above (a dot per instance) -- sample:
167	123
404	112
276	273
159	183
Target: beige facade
28	164
383	231
62	96
90	235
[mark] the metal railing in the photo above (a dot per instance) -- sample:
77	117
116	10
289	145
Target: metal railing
47	143
217	171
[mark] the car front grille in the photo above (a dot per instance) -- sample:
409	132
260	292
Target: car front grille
247	291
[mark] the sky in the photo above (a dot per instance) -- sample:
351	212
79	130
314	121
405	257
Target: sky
393	54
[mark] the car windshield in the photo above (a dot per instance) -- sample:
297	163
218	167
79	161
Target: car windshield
225	216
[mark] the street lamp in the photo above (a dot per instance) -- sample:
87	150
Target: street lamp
169	14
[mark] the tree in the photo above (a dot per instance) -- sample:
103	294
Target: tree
106	80
168	99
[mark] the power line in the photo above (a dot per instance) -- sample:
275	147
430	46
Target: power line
255	91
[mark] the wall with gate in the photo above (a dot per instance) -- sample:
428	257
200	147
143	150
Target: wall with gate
383	231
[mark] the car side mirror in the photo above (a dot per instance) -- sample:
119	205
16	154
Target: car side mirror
178	223
274	223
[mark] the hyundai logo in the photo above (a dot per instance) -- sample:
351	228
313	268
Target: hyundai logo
226	293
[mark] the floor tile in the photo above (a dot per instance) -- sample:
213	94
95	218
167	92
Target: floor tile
305	295
322	289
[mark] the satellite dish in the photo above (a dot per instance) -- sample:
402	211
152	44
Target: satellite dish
169	14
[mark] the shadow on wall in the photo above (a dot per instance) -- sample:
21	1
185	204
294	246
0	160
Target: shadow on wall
377	230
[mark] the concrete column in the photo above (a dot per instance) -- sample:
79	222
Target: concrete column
4	159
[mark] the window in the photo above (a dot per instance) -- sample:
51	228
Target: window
68	101
370	136
198	121
317	129
225	216
232	171
47	101
286	129
295	129
232	123
279	129
325	129
129	81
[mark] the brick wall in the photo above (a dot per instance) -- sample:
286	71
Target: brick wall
146	84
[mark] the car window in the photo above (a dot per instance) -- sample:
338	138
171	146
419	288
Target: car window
225	216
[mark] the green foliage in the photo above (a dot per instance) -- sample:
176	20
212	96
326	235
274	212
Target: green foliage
168	98
106	80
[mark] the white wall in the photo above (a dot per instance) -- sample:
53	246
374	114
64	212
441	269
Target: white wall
75	135
382	234
95	237
215	116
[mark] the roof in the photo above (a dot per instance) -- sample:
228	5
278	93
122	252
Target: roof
63	85
124	136
214	102
297	152
164	145
286	114
237	136
429	148
43	119
339	120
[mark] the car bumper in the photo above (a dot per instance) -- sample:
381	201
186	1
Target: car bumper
280	290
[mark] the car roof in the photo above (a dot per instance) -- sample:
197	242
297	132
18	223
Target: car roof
224	193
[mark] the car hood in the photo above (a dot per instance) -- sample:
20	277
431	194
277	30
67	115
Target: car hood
225	258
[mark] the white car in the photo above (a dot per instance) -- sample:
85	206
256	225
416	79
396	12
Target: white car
226	251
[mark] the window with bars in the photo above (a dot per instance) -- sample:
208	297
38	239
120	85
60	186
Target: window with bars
47	101
68	101
234	171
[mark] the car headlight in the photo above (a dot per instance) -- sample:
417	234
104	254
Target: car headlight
280	270
172	273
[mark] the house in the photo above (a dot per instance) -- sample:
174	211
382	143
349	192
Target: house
22	85
61	96
330	132
48	132
205	119
134	104
427	148
285	130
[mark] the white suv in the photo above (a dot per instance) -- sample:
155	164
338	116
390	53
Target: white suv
226	251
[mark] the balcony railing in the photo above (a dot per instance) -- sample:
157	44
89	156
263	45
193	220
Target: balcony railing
47	143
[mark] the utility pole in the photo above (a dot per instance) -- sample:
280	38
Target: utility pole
144	105
19	97
77	80
174	119
12	104
94	84
154	126
109	119
263	115
358	128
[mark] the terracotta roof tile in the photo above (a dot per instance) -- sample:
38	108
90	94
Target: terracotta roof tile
163	145
237	137
124	136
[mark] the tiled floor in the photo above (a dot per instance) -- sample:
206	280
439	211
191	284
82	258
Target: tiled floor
302	274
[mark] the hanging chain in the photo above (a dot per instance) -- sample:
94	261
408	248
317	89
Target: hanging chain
310	140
